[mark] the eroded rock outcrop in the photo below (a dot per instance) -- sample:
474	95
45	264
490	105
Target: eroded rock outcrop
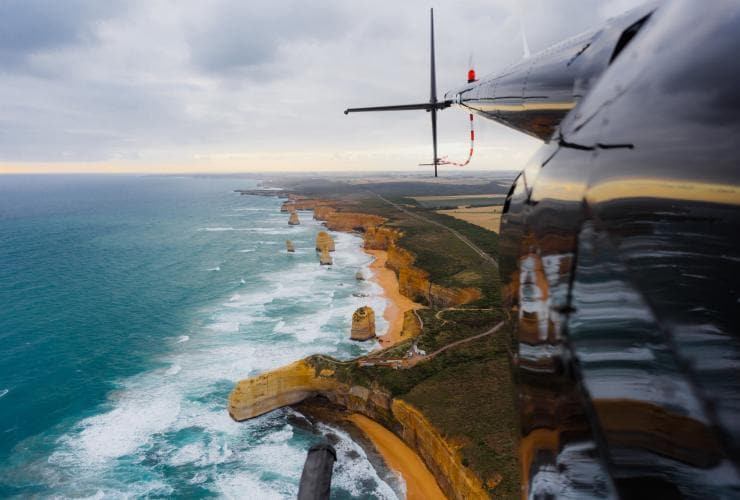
359	276
325	257
301	203
324	240
287	206
289	246
363	324
322	212
284	386
300	380
317	375
380	238
294	220
351	221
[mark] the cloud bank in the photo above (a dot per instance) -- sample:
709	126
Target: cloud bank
235	84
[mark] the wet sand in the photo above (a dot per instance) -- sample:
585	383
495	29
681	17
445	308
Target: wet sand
420	483
397	304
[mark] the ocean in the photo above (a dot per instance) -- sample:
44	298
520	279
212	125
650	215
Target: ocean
130	306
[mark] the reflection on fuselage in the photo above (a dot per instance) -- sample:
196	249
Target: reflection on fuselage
621	266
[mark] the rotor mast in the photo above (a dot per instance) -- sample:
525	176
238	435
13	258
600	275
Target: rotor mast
432	106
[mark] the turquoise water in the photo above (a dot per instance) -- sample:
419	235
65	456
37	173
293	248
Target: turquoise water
129	307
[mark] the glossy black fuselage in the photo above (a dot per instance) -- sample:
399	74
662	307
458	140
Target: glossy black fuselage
620	255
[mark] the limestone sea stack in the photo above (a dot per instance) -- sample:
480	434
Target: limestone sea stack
287	206
363	324
325	257
359	276
324	240
289	246
294	221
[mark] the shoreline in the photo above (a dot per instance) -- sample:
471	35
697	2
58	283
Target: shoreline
397	305
420	482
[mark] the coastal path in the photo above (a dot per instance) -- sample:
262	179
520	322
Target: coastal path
419	358
455	233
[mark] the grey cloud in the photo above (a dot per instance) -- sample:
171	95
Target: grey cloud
167	80
32	26
234	36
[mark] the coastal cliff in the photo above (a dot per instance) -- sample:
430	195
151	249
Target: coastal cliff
284	386
382	393
413	282
346	221
442	458
317	376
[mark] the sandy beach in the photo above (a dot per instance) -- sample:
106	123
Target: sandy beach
420	483
397	304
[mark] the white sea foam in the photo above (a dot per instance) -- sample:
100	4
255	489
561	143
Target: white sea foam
353	470
248	250
217	268
173	370
180	420
236	485
3	392
137	415
224	326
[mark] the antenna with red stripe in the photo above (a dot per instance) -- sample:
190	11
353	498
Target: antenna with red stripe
444	160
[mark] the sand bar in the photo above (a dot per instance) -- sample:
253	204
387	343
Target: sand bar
420	483
397	304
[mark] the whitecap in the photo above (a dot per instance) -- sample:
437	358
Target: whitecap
352	473
217	268
237	484
4	392
224	327
173	370
299	300
136	417
247	250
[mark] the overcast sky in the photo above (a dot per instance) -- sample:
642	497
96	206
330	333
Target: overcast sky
256	85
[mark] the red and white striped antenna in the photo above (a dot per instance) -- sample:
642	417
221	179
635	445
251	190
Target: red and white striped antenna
444	160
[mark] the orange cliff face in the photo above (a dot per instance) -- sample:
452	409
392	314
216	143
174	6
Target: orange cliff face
415	284
380	238
352	221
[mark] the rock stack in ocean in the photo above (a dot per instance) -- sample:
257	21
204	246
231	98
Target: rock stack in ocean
363	324
325	257
359	276
289	246
294	221
287	206
323	240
